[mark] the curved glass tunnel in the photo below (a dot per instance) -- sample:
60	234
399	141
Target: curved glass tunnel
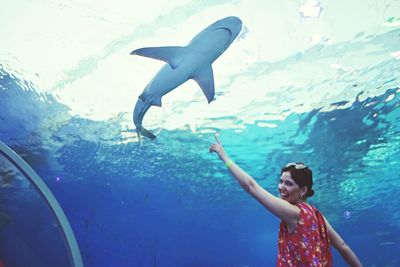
33	229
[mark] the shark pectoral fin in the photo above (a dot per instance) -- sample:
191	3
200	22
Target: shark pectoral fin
147	133
169	54
205	79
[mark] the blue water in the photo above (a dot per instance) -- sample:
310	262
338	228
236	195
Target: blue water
169	202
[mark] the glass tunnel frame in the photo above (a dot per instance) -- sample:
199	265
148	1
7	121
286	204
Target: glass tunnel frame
52	203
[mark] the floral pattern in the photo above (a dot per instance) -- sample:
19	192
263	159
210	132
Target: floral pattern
308	244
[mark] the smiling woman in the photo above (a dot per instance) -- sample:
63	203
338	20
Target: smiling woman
296	177
304	234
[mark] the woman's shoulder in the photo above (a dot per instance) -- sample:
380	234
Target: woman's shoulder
306	208
304	220
305	205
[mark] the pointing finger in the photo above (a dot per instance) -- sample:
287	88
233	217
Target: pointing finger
216	138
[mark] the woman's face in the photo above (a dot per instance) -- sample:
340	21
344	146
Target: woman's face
288	189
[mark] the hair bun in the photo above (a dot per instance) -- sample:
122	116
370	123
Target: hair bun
310	193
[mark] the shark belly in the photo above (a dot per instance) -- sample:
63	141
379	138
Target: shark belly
166	80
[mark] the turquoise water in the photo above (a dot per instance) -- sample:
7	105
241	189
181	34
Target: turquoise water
305	81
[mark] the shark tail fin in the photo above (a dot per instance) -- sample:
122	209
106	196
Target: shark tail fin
138	135
146	133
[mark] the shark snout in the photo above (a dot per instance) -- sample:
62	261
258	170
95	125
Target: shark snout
232	20
232	24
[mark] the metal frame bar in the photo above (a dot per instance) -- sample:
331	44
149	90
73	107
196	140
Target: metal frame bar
41	187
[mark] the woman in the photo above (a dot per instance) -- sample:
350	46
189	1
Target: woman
304	234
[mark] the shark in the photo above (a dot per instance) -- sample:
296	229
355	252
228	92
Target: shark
183	63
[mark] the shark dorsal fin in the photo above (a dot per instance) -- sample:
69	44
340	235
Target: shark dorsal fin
205	79
169	54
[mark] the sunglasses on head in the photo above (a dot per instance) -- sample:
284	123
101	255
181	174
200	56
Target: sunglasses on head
297	165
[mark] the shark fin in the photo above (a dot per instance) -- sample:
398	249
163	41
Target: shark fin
169	54
138	135
156	101
147	133
205	79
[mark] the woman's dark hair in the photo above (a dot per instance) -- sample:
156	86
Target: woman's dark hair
301	175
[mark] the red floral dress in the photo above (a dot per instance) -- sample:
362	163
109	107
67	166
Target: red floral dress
308	244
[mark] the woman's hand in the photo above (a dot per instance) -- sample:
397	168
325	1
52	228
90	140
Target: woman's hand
217	148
